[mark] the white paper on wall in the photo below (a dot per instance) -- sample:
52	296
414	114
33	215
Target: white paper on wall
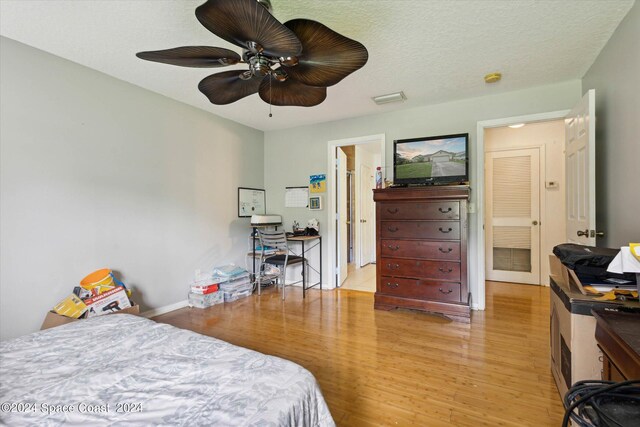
296	197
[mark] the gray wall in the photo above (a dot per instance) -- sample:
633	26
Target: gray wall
97	173
615	75
292	155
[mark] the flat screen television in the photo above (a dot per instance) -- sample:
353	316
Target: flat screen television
432	160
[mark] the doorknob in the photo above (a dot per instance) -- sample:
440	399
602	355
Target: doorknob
595	233
584	233
535	222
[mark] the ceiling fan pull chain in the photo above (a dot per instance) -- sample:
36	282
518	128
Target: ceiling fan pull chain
270	115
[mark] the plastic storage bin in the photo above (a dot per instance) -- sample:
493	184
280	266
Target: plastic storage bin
206	300
234	296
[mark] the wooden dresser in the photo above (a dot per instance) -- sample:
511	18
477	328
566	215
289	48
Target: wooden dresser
421	249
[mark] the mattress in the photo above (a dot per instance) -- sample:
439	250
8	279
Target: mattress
123	369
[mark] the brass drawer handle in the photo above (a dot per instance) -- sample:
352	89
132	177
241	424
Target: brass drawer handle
392	285
449	230
392	211
445	252
393	229
393	248
447	292
393	266
447	211
442	270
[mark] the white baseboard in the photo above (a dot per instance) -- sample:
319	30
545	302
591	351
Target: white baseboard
165	309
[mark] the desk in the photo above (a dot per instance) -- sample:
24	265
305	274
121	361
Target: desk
303	240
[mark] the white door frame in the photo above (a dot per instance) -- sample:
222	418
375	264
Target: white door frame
478	188
331	193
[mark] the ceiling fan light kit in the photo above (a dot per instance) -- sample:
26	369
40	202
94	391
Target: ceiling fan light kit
392	97
289	64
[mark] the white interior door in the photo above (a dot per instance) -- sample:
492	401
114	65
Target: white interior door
513	216
367	221
342	216
580	161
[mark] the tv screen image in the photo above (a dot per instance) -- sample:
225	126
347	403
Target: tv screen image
431	160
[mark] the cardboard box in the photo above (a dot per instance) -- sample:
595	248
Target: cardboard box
565	276
52	319
107	302
559	273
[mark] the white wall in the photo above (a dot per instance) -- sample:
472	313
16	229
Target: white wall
292	155
614	76
549	135
96	173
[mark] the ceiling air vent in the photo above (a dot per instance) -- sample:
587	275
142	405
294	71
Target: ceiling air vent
392	97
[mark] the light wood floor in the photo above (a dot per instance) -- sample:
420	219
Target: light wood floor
360	279
402	367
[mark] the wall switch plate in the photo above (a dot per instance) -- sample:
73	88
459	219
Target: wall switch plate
552	184
471	207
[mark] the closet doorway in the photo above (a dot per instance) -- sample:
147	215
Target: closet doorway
524	200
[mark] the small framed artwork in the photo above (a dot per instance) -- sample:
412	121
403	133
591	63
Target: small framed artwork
315	203
318	183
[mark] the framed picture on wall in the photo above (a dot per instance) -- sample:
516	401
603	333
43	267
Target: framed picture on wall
315	203
318	183
251	201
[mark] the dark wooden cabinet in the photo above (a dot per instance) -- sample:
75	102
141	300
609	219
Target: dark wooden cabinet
421	251
618	336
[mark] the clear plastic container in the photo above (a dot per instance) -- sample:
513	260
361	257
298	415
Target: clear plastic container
234	296
207	300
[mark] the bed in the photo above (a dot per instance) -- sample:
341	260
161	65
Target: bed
124	369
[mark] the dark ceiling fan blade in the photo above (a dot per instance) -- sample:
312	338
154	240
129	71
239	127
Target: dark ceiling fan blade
327	57
227	87
291	92
243	21
193	56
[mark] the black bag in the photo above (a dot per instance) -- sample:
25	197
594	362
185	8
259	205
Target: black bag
589	262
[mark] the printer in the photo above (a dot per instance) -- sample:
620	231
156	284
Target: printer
265	220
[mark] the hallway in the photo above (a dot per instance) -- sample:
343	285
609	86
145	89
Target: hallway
361	279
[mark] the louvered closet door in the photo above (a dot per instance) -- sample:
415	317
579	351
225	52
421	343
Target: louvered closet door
512	227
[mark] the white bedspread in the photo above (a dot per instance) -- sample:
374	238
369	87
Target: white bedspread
127	370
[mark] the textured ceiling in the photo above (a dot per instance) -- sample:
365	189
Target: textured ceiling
433	50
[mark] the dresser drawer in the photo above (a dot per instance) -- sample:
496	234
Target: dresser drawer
423	249
439	230
420	289
424	210
443	270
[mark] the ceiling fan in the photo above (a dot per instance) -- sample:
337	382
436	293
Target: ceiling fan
290	64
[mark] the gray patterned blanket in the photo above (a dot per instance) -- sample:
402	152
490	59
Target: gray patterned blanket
127	370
